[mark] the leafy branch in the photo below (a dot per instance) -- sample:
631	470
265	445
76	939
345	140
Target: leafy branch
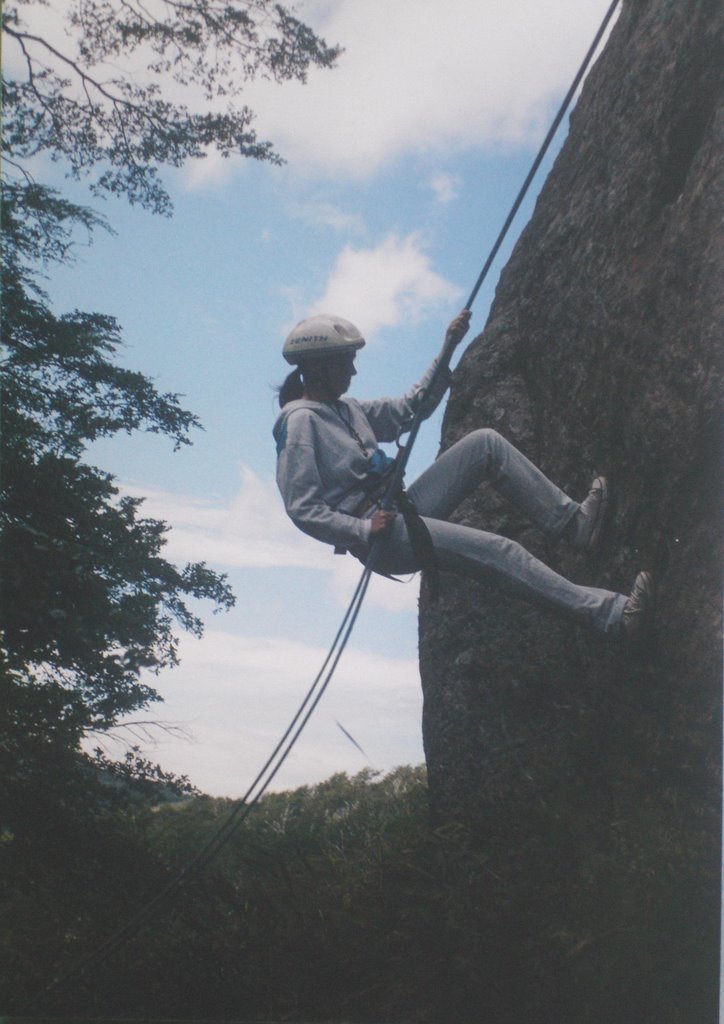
81	109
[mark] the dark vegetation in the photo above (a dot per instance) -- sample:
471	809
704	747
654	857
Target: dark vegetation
334	902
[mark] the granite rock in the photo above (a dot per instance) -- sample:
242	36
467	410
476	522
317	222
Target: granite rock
588	773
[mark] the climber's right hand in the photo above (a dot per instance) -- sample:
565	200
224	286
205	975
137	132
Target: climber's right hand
381	522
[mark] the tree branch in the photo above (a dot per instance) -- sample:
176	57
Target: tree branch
87	79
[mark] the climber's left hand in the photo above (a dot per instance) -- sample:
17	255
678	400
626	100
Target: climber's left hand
458	328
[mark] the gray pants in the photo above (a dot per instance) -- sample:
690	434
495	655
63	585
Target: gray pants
485	455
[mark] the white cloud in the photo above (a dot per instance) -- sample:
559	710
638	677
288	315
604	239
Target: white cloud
417	76
212	169
445	187
320	212
253	531
425	76
386	285
236	695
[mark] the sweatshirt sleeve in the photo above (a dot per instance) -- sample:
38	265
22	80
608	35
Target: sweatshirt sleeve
387	415
302	488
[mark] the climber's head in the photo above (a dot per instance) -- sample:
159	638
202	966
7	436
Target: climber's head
328	378
323	349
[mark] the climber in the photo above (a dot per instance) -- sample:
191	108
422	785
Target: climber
332	473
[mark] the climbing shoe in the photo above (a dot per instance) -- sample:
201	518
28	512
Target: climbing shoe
588	521
639	609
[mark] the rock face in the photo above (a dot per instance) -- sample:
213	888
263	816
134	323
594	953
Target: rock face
585	774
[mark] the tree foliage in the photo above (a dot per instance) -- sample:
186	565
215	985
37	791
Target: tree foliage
318	907
105	96
88	600
112	91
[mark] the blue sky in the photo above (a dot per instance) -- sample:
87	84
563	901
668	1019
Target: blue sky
402	164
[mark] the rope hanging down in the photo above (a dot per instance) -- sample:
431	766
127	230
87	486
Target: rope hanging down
276	759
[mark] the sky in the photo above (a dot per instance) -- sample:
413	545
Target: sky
401	166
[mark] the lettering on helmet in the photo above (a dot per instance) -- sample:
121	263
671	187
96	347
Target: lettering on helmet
307	338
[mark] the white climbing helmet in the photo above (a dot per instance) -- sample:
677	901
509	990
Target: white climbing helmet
320	336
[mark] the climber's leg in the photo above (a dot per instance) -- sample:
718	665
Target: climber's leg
485	455
489	557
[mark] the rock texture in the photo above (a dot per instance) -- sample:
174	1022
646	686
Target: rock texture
587	775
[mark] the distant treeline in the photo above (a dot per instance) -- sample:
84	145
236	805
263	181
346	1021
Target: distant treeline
333	902
336	902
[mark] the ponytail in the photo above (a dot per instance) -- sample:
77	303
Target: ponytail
292	388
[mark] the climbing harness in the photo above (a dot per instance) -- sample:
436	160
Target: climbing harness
340	333
420	540
380	471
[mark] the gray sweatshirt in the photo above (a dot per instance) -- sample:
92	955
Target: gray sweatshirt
322	470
